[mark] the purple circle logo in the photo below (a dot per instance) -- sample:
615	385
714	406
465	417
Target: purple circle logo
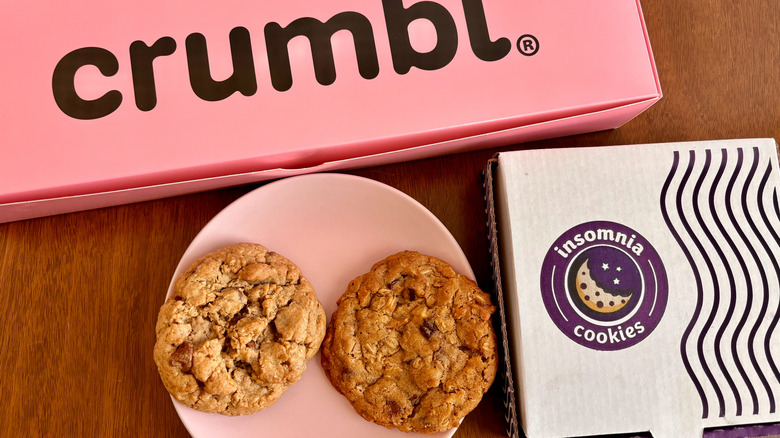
604	285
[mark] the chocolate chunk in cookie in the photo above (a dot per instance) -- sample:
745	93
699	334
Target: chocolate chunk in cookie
238	330
411	344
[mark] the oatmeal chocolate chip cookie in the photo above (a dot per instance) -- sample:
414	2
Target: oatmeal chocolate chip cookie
238	330
411	344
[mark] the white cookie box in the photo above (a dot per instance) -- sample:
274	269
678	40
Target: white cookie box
687	235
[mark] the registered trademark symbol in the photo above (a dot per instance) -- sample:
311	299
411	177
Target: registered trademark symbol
528	45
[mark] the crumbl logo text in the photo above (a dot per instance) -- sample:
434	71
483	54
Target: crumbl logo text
604	285
243	79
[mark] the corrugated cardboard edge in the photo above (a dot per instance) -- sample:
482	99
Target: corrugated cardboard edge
508	386
510	402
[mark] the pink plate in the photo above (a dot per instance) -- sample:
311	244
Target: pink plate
334	227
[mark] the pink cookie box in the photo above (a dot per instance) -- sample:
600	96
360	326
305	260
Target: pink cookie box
107	103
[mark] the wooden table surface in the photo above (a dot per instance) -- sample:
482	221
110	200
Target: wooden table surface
81	291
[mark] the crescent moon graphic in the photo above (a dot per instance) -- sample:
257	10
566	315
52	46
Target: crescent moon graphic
594	296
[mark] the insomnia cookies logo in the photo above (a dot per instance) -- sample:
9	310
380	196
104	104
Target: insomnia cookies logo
604	285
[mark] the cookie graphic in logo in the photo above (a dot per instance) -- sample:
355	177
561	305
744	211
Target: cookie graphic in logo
605	280
604	285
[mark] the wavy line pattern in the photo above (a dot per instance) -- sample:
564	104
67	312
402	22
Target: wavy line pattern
773	325
678	238
723	212
716	286
745	274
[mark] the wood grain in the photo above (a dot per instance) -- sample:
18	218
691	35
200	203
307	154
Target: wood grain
80	292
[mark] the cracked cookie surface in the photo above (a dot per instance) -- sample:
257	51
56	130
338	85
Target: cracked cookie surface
411	344
238	330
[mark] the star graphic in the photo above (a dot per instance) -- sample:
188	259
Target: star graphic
619	269
604	266
616	281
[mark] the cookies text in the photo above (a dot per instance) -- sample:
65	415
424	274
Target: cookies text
612	336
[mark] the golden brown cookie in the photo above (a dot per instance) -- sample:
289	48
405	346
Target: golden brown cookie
411	344
238	330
